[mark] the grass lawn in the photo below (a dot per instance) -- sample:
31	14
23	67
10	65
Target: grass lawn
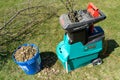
44	30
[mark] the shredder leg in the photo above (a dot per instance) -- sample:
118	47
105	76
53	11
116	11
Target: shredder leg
66	66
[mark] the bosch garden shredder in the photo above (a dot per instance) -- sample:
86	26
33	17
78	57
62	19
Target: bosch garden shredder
82	40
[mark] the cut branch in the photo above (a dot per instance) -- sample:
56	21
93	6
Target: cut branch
14	16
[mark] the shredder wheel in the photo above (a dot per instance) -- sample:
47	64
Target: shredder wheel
97	61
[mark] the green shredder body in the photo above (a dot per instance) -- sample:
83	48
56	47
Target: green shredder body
75	55
82	41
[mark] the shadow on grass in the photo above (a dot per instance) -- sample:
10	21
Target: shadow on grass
109	47
4	56
48	59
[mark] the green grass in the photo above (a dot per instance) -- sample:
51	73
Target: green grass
48	33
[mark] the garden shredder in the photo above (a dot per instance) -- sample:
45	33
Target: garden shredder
82	41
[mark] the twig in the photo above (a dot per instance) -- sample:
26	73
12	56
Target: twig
14	16
65	4
29	25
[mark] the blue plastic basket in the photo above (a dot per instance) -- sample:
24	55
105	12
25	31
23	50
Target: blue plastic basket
33	65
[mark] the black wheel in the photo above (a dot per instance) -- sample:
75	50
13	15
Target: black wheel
97	61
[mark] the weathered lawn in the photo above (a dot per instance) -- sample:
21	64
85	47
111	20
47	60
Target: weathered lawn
44	30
